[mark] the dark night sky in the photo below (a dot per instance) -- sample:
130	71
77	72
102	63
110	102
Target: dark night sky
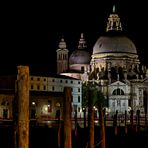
30	32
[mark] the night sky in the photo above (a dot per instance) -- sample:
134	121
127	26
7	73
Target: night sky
30	32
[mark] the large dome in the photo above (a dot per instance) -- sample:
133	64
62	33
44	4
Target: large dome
79	57
114	43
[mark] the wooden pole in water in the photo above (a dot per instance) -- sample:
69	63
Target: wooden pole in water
84	112
125	122
138	121
131	118
102	127
15	116
23	106
90	120
67	109
115	122
59	129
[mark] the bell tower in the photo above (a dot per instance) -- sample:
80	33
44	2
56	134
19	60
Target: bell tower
62	57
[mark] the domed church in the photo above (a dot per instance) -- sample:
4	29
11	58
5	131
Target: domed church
114	66
78	61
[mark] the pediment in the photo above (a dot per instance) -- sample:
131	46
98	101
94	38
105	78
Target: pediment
117	83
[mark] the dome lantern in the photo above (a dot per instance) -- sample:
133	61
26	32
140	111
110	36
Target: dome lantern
82	42
62	44
114	22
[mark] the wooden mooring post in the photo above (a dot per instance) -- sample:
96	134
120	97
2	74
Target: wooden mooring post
67	109
23	106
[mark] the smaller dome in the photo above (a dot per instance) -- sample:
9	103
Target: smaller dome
79	57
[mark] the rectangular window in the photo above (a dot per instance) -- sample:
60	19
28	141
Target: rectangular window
78	89
82	68
78	98
44	87
52	87
78	109
38	87
31	86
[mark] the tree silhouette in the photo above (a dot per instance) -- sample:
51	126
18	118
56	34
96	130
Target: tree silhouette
91	96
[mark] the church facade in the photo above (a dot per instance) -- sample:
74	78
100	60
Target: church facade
113	64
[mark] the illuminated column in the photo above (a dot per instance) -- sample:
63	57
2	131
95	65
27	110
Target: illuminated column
23	106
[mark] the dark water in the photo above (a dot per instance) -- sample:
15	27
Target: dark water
44	137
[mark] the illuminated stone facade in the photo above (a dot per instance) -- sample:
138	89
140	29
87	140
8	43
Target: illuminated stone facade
46	96
114	65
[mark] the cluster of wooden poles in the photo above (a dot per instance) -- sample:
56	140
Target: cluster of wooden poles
21	115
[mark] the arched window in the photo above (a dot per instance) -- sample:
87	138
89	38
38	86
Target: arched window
118	91
5	103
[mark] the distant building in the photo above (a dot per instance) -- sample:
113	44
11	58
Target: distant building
46	96
113	64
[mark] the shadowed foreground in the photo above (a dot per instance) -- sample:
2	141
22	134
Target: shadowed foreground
43	137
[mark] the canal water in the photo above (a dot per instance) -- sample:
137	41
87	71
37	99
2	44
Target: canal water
45	137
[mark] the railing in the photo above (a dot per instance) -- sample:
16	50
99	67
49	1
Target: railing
108	121
143	121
